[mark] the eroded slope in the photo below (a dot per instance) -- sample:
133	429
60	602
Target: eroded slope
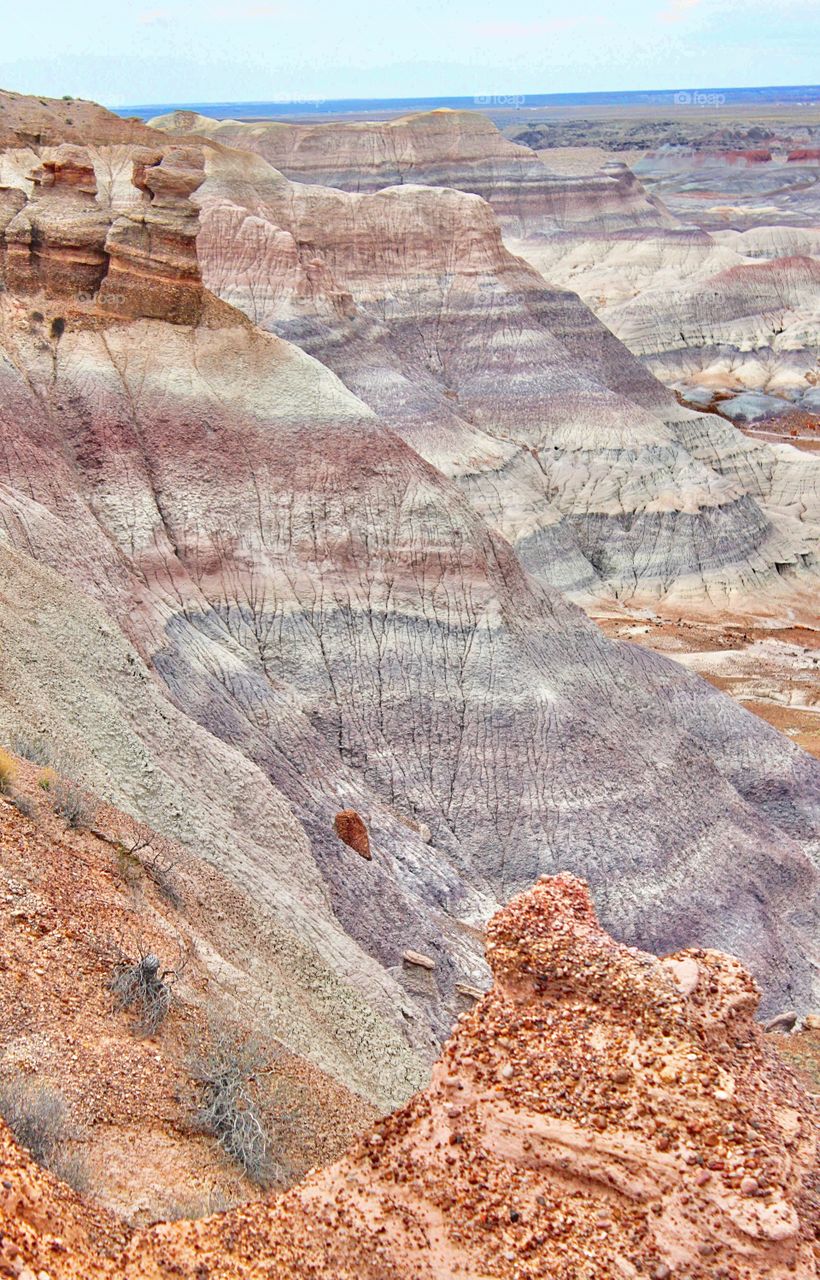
318	597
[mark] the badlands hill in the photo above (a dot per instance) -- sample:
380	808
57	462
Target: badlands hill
324	601
599	1114
555	433
299	614
661	261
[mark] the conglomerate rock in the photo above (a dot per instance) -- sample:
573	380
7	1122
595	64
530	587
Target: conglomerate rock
600	1114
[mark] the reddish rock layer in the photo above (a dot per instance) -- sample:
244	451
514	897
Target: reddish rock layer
34	122
55	243
153	269
62	242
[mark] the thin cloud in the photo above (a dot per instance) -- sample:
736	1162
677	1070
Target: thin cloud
523	30
250	12
678	10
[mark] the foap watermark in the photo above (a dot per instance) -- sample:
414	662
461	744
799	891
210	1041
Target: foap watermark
698	98
500	100
297	100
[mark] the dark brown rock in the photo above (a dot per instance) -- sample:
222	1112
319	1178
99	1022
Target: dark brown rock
351	829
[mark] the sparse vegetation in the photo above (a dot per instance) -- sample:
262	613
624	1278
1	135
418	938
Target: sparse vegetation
145	988
228	1105
198	1207
151	853
129	867
41	1122
30	747
160	867
71	805
7	771
22	804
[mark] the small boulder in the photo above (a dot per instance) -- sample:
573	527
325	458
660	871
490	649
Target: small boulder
783	1023
351	830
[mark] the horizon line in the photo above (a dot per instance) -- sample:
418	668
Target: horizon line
484	99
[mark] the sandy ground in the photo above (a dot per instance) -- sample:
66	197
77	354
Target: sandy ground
774	672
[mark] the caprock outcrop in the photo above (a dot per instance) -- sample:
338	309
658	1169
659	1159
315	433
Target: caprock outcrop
26	121
599	1115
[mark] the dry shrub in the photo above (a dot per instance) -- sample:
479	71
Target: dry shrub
71	805
30	747
22	804
129	867
41	1122
145	988
215	1201
155	856
8	768
228	1105
161	868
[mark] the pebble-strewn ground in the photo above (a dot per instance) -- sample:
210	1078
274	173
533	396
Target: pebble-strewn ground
600	1115
73	903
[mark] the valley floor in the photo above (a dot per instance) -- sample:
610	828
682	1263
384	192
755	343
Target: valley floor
771	671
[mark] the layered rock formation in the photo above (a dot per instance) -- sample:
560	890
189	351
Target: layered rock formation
557	436
329	620
670	289
460	149
152	262
600	1113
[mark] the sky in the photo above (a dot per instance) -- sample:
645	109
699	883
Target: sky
312	50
